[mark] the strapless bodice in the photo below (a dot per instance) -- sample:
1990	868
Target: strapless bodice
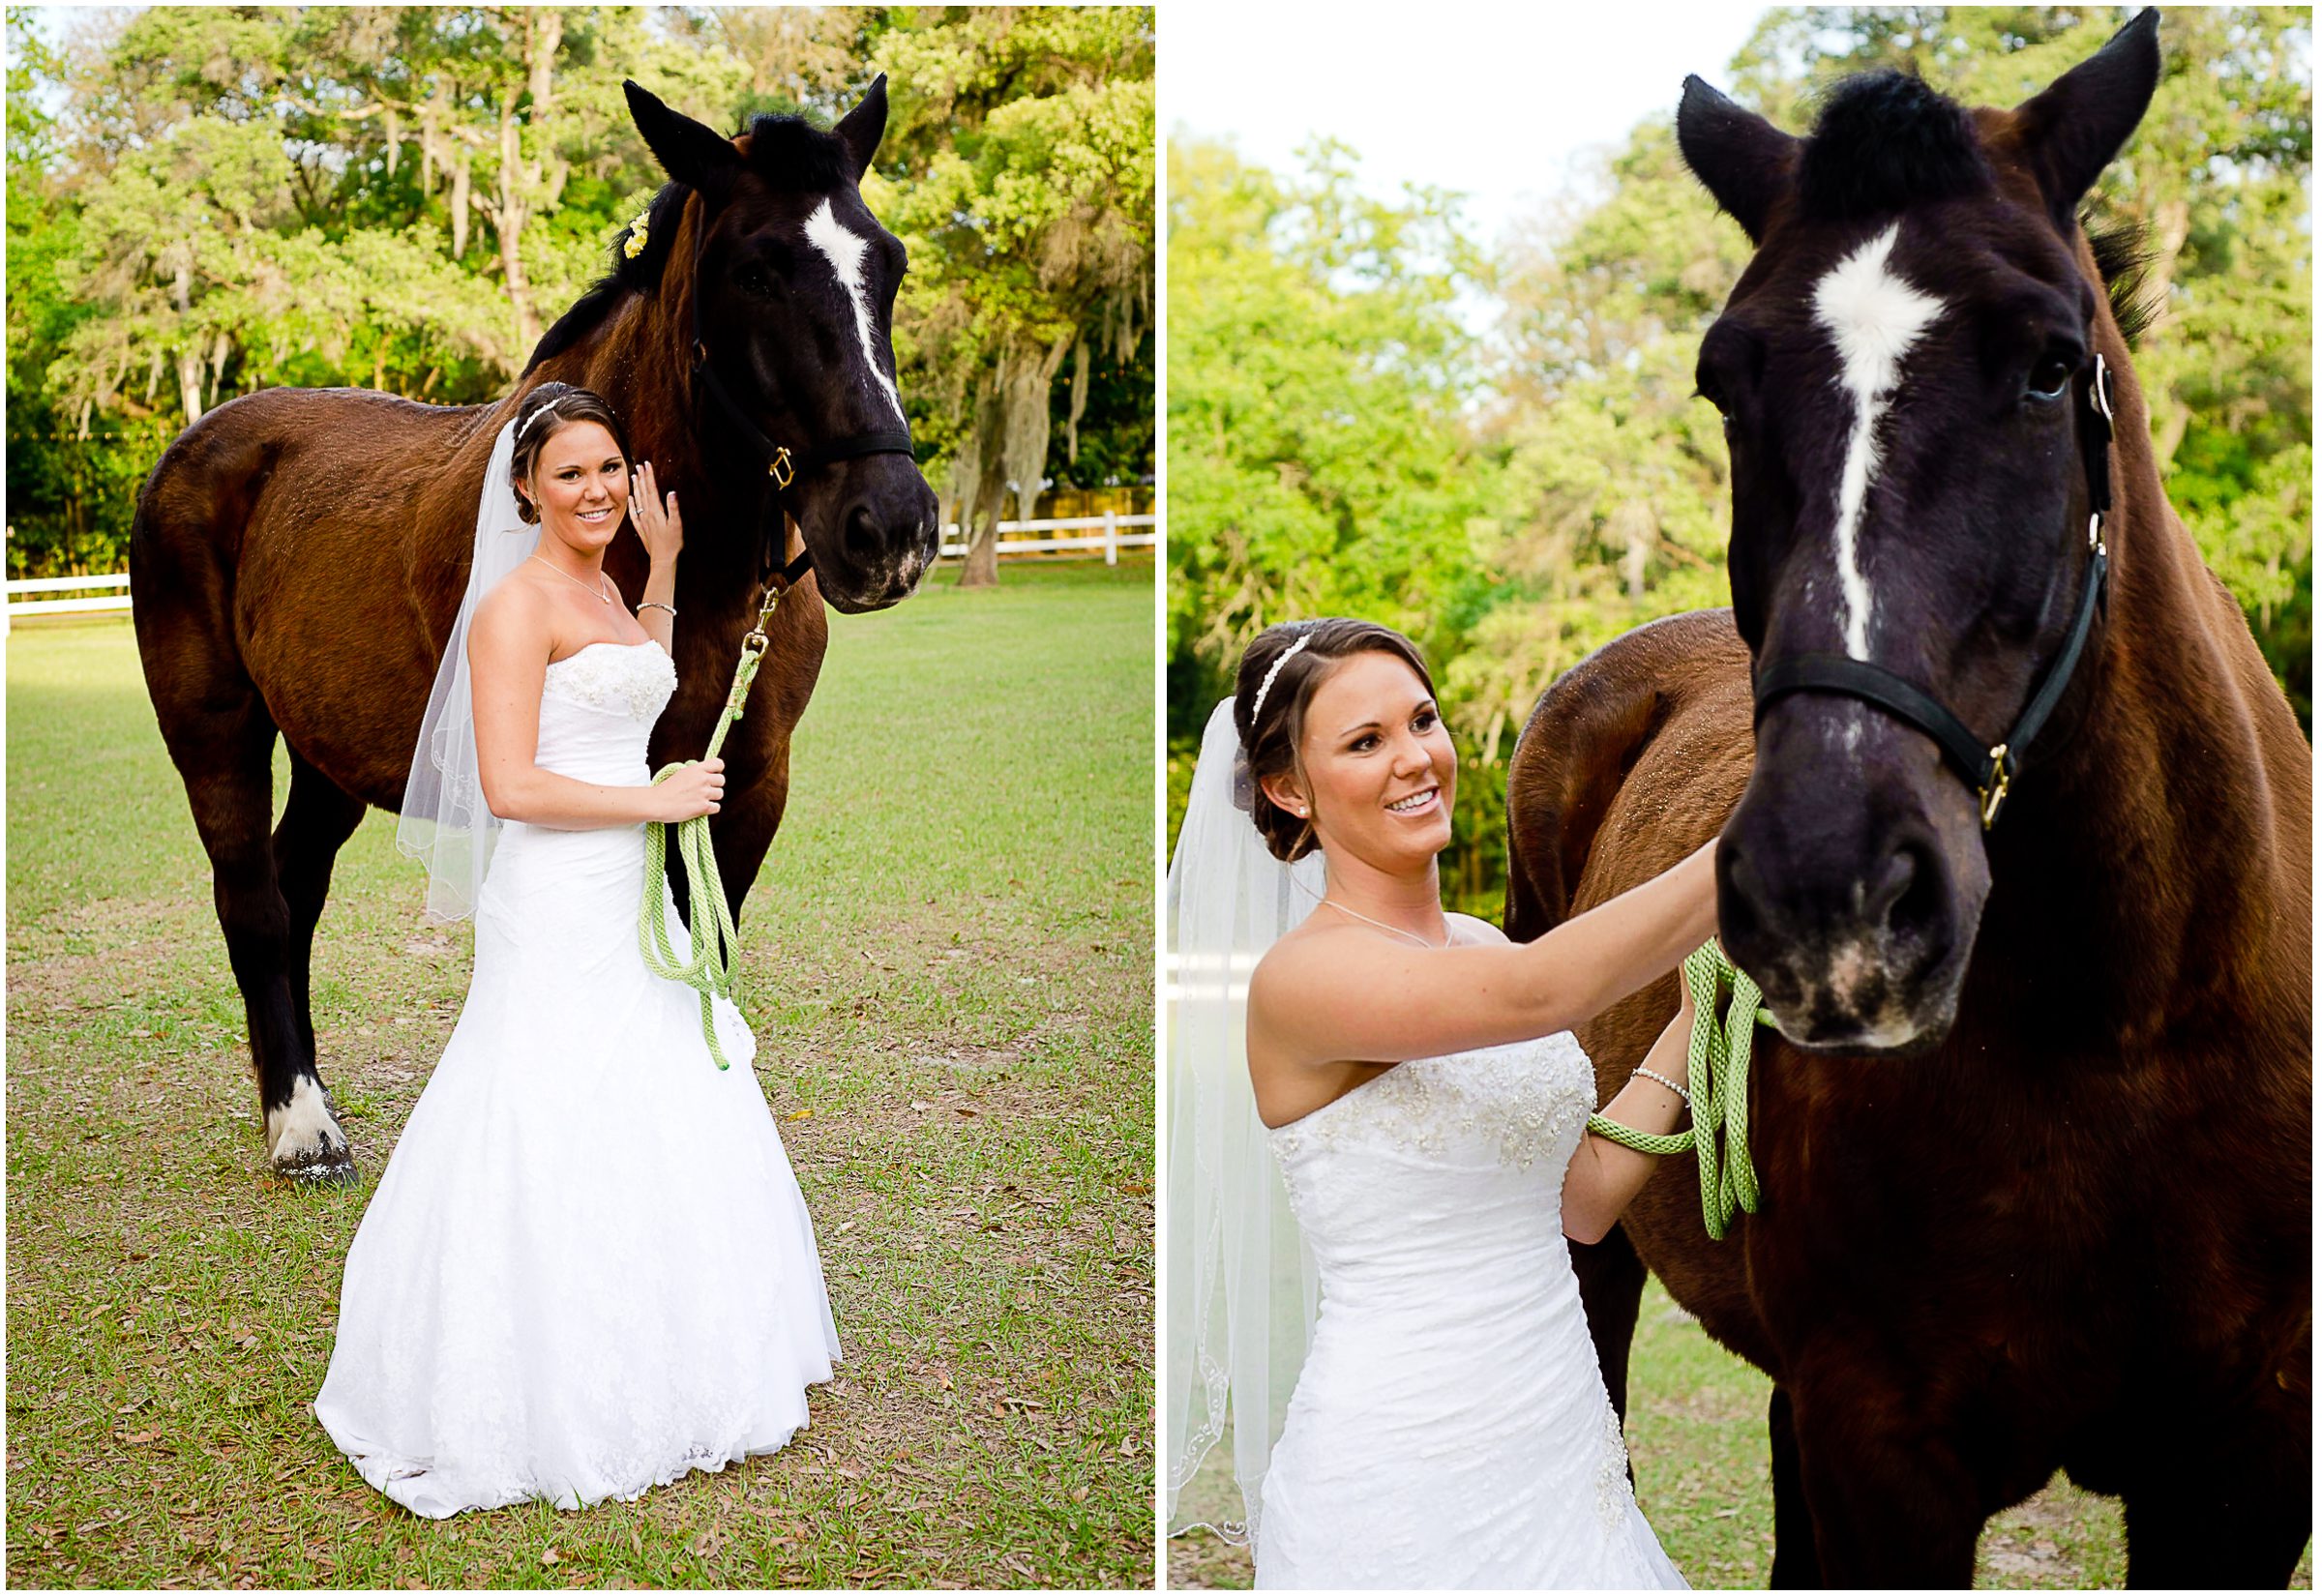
1441	1167
597	710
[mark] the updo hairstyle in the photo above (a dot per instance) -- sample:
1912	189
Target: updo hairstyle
545	411
1271	733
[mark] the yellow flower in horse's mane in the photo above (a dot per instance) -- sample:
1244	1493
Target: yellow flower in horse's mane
636	237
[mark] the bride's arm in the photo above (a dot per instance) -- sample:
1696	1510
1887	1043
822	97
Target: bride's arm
1604	1176
508	649
1355	995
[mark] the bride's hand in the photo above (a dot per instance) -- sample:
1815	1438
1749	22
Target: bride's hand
658	527
696	789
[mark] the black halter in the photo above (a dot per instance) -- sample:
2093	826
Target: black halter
784	465
1991	770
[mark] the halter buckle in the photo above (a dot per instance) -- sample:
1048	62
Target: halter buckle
2099	391
778	467
2095	532
1994	790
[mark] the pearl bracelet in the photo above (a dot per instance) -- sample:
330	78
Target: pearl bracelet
1664	1081
656	604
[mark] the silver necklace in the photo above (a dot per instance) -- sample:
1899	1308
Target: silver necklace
1393	930
598	591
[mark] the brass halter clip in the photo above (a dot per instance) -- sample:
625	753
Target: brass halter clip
1994	790
778	467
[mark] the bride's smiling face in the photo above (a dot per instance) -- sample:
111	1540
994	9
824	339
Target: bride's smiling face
1379	766
580	484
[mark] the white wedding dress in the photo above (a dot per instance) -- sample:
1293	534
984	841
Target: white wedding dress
588	1267
1449	1428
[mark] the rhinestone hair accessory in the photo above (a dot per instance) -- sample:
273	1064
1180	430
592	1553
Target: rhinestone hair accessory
1273	670
535	416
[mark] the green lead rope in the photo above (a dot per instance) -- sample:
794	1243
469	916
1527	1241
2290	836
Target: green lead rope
1725	1010
709	967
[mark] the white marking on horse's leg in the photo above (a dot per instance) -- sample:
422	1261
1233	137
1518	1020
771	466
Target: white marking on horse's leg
300	1129
844	249
1873	317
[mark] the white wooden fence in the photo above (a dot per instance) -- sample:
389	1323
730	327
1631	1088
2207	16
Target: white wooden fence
1110	536
1112	533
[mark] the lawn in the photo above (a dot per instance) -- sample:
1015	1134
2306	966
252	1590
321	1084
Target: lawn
1697	1441
949	961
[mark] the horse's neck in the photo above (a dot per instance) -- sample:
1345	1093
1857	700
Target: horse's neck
637	362
2137	865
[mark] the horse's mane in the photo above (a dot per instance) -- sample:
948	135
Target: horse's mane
787	154
2123	255
1886	142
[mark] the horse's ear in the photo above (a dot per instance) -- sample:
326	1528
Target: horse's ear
1745	162
693	154
2069	129
862	129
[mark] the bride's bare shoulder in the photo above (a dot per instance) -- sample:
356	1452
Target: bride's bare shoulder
1294	952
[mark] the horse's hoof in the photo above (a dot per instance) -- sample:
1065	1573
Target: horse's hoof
303	1136
321	1172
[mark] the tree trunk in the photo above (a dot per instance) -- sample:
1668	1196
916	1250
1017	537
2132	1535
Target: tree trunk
189	358
980	510
508	219
461	161
189	382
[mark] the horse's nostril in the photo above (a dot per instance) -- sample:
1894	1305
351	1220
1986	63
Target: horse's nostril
1737	908
1909	898
861	539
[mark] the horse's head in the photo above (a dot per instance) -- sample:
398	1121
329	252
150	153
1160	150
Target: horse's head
793	291
1904	369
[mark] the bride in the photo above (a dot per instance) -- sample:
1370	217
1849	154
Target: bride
588	1267
1411	1075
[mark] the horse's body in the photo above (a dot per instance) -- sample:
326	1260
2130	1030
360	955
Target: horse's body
2069	1227
299	556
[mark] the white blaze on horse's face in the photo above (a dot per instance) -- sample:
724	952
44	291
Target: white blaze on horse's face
1873	317
844	249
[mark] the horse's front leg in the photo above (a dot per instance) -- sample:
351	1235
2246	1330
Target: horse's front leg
758	789
1892	1499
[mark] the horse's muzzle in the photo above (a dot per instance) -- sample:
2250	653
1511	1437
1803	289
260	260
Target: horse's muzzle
880	538
1849	888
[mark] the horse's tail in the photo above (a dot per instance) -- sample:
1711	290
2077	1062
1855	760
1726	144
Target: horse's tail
1585	737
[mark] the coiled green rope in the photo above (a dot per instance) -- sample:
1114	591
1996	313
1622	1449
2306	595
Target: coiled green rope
1717	1075
709	967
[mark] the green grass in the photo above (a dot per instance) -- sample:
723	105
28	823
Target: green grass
1697	1441
948	958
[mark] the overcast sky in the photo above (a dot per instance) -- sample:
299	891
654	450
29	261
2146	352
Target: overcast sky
1492	98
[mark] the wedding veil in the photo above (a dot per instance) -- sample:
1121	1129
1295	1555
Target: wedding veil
445	820
1242	1290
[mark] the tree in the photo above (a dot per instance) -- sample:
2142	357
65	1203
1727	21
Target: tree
1018	163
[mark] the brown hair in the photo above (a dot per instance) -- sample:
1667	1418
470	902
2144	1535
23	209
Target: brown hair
563	404
1271	731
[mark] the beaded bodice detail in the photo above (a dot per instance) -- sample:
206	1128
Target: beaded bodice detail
632	679
1509	1104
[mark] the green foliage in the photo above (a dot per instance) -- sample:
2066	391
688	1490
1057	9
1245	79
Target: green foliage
1341	446
1018	171
403	198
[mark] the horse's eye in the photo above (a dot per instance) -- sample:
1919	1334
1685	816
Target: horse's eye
755	280
2051	376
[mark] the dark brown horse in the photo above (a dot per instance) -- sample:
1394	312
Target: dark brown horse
2034	1140
298	555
